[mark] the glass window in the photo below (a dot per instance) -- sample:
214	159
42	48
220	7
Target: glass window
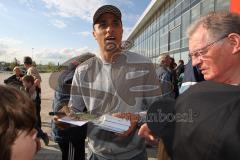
150	27
157	42
171	25
178	21
144	47
148	47
176	57
155	24
194	1
175	38
222	5
207	6
165	20
161	22
140	38
158	20
165	28
185	57
164	42
166	13
186	5
148	30
195	12
153	44
161	32
185	23
178	9
184	42
171	14
140	48
171	10
145	33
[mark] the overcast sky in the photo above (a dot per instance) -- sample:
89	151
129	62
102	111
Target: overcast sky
55	30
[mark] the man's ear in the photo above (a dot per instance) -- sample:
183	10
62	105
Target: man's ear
122	30
234	39
94	34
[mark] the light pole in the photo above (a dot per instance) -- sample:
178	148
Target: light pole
32	52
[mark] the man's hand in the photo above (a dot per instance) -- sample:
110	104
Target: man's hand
37	83
61	125
146	133
32	90
133	118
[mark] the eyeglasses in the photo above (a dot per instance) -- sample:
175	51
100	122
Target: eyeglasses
204	50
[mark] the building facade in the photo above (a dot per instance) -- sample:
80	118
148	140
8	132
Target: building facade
163	25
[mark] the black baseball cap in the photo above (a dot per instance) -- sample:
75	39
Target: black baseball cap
107	9
160	120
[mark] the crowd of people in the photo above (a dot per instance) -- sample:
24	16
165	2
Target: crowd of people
125	84
170	75
30	84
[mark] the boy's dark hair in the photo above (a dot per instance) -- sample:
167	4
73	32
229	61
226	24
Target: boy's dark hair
28	78
17	114
181	61
27	60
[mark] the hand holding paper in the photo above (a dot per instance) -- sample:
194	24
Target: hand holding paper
64	111
133	118
57	120
113	124
110	123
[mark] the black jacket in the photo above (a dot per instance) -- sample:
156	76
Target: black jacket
211	130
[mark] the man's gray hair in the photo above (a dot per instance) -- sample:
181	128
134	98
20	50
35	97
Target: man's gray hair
218	24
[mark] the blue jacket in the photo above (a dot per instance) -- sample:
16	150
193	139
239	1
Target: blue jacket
192	75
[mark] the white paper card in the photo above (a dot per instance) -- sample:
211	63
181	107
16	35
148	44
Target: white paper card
113	124
74	122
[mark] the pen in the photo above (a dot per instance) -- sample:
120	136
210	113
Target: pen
56	113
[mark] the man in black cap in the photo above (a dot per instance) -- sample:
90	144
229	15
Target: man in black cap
118	82
213	131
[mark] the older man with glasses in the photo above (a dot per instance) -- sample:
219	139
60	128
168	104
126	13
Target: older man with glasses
210	128
214	45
